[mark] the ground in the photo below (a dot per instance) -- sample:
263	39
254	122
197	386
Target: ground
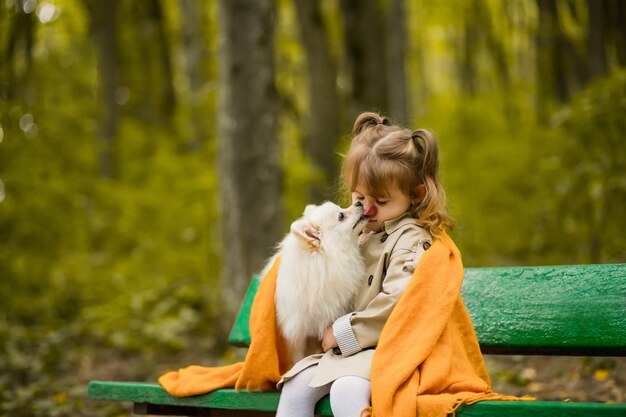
560	378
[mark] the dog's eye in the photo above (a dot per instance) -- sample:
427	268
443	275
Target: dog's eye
342	217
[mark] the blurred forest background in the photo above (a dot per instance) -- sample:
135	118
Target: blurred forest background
152	152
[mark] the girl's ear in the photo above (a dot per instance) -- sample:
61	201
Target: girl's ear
307	231
419	193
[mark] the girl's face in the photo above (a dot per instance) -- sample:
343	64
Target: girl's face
381	208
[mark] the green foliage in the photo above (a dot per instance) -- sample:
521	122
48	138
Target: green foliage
485	159
524	193
90	263
128	263
32	360
291	75
580	177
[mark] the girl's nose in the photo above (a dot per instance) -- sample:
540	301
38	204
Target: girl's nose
370	211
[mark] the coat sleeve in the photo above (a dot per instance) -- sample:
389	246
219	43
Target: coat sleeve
368	324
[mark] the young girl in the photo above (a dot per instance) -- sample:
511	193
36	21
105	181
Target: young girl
393	173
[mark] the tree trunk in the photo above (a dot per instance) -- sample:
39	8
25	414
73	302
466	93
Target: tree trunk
418	63
597	63
551	77
150	62
480	34
617	16
104	26
20	41
470	46
496	48
397	38
560	68
194	54
365	53
323	118
248	147
168	100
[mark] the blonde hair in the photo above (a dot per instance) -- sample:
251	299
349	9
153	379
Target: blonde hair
383	155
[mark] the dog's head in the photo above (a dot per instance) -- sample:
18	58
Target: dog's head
321	225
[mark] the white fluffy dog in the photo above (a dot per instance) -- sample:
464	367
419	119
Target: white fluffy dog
319	274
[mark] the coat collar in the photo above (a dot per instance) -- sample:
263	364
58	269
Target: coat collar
392	225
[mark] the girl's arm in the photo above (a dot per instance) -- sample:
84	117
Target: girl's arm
361	330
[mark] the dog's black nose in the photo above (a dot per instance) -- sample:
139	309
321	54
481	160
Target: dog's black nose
358	204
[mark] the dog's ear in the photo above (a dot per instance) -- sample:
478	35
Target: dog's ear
308	210
308	231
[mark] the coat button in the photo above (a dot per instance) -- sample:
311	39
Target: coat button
370	279
384	237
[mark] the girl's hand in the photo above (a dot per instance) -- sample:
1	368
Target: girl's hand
328	339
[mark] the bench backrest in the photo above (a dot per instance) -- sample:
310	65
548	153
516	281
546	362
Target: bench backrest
549	310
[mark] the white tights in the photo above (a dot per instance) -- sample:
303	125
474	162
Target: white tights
348	395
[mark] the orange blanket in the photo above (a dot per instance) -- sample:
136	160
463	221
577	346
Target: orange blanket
427	361
266	360
428	355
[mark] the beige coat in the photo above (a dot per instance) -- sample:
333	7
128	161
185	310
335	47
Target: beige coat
390	256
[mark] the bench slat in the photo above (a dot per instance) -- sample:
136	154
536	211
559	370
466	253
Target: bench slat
562	310
541	409
559	310
139	392
240	333
230	399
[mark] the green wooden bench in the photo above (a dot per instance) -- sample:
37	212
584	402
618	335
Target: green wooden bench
551	310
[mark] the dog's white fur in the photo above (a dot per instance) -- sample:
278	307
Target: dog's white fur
319	272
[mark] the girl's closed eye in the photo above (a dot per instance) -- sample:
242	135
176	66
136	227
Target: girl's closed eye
381	202
358	197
